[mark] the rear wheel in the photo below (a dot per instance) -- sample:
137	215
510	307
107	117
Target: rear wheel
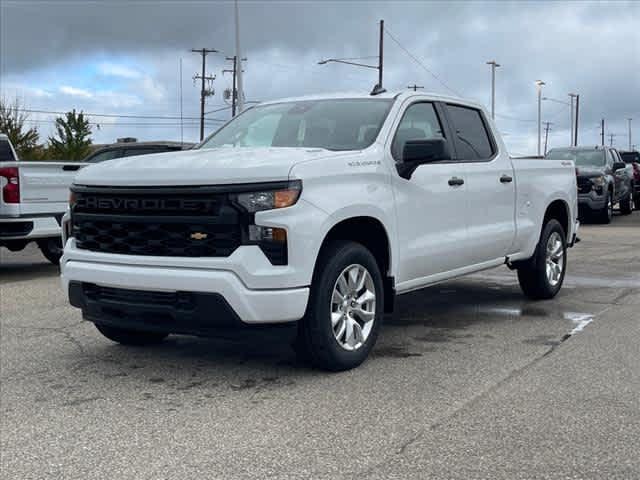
51	248
345	308
541	276
626	205
130	337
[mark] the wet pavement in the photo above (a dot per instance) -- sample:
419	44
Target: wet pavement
468	380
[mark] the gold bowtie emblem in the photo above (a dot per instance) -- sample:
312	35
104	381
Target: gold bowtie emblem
199	236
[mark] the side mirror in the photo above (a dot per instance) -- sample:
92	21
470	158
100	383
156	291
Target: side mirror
418	152
619	166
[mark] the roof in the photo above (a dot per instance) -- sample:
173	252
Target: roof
365	94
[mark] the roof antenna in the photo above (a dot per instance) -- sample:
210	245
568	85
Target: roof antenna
377	89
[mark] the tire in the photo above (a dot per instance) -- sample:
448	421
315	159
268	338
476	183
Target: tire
637	201
626	205
346	343
605	214
130	337
535	281
51	248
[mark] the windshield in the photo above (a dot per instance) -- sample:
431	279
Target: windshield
582	158
630	157
339	124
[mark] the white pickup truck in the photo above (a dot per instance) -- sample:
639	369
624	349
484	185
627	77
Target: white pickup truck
33	198
317	210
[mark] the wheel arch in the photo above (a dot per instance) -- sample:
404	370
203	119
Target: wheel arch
372	234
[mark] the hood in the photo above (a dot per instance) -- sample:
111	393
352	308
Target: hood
589	172
213	166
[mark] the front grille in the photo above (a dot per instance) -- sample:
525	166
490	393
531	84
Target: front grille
162	222
584	185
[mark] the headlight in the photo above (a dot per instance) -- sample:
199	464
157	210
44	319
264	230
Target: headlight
598	181
270	199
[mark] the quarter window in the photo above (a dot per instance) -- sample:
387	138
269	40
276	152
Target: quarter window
472	138
420	122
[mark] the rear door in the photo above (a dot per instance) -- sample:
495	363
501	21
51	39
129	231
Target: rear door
490	185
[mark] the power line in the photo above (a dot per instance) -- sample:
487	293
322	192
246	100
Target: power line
109	115
415	59
514	118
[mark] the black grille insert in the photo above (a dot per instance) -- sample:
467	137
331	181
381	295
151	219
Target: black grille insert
163	222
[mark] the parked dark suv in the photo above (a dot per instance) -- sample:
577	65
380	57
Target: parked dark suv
633	158
129	149
602	180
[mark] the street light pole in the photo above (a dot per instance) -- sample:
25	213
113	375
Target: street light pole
539	84
571	135
494	65
629	120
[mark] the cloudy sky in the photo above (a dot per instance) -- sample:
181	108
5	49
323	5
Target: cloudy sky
117	57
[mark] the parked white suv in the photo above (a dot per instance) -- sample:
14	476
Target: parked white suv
316	210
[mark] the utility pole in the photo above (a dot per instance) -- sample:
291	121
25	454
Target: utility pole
611	137
602	131
575	138
233	84
629	120
571	136
239	78
414	87
494	65
546	135
539	84
204	93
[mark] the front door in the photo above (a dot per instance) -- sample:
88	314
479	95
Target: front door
430	205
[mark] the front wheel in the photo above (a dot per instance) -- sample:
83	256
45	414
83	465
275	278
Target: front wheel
605	214
130	337
541	276
51	248
345	308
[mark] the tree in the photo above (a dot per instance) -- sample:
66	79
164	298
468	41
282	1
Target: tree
73	134
12	120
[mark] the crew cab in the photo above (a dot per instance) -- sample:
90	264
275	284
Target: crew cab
316	210
33	199
602	181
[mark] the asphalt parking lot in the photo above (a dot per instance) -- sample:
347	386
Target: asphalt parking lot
468	380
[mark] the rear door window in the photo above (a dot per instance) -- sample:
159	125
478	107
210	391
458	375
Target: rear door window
473	142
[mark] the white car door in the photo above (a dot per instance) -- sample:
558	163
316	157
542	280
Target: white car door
490	184
430	205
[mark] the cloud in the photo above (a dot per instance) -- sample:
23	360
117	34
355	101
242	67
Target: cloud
76	92
586	47
116	70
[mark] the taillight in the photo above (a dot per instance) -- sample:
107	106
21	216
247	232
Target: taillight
11	191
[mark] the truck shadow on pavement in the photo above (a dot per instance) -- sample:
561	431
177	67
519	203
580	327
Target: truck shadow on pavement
16	272
424	322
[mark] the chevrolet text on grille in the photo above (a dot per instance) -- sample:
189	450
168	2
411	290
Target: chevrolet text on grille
143	204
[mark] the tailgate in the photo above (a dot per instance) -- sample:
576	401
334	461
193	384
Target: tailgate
44	186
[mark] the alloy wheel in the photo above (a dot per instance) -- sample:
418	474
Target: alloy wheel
555	259
353	307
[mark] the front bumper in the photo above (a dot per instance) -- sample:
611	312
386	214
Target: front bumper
591	201
250	306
